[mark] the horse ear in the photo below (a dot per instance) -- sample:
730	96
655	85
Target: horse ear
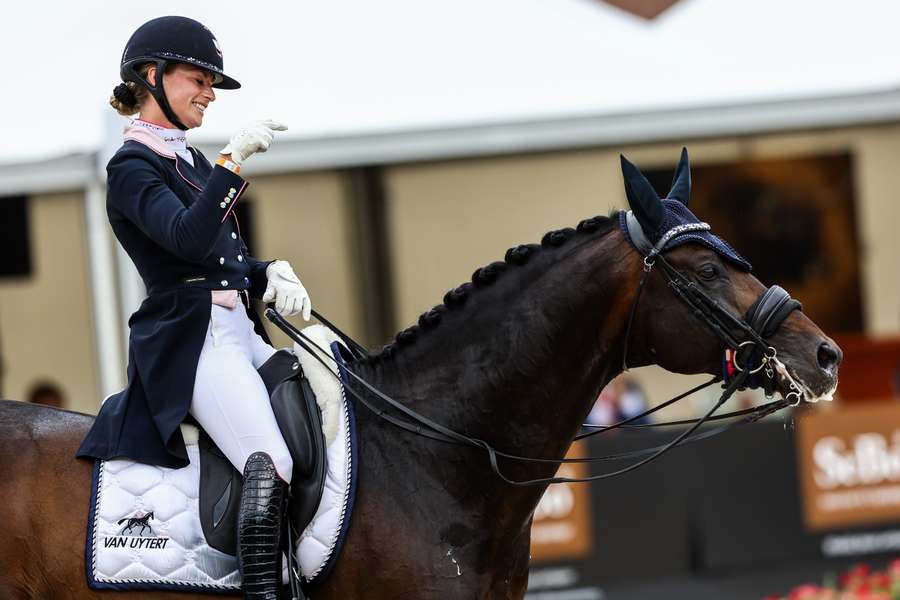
642	198
681	182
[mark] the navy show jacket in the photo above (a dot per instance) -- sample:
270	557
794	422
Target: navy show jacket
177	224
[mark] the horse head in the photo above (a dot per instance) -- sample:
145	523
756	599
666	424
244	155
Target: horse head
676	334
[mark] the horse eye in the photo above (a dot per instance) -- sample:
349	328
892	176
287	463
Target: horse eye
708	272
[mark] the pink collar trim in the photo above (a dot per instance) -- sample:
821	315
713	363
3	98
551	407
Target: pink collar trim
149	139
144	136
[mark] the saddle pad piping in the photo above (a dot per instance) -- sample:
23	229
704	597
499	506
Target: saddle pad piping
337	541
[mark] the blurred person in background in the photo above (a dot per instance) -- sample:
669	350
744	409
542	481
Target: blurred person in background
47	393
622	398
192	344
605	410
632	400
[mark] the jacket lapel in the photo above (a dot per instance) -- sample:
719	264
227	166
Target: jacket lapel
190	174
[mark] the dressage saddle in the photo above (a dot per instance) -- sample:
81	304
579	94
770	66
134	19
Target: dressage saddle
300	421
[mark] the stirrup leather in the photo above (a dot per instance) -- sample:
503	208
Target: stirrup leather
259	528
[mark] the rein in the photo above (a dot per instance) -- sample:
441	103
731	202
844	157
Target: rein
763	319
425	427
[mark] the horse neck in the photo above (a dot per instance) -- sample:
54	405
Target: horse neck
520	364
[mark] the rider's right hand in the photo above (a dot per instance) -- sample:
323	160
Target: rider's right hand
255	137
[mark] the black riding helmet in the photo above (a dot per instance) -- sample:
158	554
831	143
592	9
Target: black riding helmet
167	40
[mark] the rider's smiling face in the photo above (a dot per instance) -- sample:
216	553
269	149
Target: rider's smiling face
189	92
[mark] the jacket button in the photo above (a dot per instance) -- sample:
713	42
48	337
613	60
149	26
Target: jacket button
233	235
246	280
240	258
221	260
232	192
224	283
222	205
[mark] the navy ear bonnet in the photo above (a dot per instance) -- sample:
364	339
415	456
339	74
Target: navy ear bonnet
654	226
679	214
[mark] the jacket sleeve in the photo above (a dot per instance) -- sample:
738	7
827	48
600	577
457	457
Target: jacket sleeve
136	190
258	279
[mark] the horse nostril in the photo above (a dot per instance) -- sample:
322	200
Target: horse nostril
828	357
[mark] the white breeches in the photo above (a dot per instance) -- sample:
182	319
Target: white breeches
230	400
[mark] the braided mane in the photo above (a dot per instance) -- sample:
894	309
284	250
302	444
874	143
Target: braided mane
456	298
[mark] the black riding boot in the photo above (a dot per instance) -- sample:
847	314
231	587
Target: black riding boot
259	528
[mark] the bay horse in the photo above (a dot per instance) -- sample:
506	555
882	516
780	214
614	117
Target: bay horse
516	358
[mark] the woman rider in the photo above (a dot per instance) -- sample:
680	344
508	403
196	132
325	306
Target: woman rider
192	345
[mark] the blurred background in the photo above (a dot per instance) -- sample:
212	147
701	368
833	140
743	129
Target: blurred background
428	137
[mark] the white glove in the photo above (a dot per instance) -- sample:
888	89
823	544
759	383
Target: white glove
255	137
286	290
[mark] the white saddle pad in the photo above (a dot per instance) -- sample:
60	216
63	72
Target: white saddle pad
144	528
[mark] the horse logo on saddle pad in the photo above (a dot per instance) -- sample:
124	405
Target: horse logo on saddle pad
143	522
154	528
137	533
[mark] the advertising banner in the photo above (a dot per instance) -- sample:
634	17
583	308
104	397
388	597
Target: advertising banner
849	466
562	520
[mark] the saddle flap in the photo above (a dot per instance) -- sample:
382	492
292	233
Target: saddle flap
220	493
281	366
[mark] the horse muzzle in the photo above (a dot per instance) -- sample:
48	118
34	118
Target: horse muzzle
815	370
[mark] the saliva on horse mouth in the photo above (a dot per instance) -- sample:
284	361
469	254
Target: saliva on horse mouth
790	384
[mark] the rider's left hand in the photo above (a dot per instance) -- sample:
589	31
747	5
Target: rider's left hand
285	289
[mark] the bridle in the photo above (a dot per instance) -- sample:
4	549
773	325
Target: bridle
742	337
745	336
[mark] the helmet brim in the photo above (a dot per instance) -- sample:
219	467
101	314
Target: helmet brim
227	83
223	81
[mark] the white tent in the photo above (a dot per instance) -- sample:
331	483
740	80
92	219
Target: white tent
402	79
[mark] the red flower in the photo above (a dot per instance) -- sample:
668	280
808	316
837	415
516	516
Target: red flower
807	591
880	580
871	596
860	582
860	570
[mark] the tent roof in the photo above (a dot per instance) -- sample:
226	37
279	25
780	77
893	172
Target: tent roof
340	71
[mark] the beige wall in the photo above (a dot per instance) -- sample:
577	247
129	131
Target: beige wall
878	214
45	320
447	219
307	220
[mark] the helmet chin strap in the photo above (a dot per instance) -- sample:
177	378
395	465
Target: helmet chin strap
159	93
